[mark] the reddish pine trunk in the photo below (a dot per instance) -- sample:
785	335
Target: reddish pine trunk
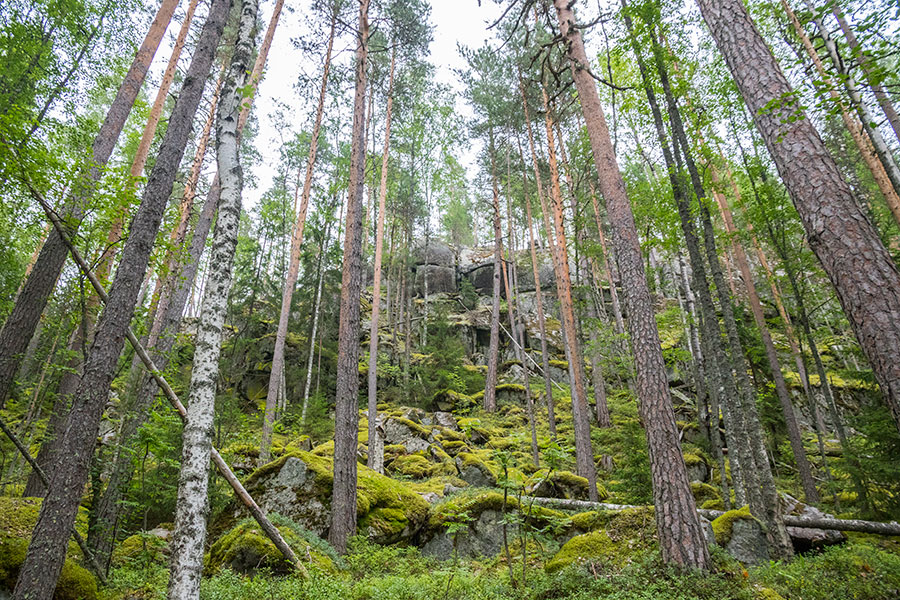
681	538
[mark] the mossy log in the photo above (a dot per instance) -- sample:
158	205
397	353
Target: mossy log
875	527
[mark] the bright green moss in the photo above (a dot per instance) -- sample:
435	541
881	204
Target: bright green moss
703	492
415	427
692	459
247	549
449	435
326	449
560	364
413	465
723	525
715	504
596	547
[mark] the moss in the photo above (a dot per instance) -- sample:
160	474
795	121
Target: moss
560	364
454	446
246	549
140	548
414	465
703	492
594	547
475	503
563	484
412	425
723	525
451	400
692	459
394	450
716	504
75	582
451	435
326	449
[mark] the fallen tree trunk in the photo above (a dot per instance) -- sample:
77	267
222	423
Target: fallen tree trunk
270	530
876	527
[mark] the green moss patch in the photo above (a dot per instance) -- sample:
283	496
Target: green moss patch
723	525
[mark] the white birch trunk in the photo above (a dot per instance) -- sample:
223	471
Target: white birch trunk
192	507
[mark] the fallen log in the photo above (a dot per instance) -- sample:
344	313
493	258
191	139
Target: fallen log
268	528
875	527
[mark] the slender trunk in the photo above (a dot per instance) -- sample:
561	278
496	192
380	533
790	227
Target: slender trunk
584	454
870	71
378	461
293	271
545	355
343	504
613	292
47	549
23	320
192	506
846	243
490	382
680	534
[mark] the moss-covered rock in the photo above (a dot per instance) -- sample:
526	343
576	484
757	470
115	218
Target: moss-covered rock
411	465
298	486
452	401
246	549
595	547
18	517
703	493
742	536
698	467
561	484
722	526
475	471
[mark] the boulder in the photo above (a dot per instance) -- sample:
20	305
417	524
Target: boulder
475	471
246	549
482	279
561	484
441	280
445	420
298	487
546	275
742	536
406	433
697	467
435	253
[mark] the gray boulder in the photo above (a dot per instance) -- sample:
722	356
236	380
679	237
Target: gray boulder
482	537
441	280
435	253
407	433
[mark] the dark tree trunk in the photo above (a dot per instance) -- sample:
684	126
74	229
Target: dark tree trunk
343	503
47	549
490	382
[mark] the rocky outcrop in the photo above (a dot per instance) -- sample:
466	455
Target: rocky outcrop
441	280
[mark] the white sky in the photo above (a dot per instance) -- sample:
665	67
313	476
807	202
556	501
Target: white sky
455	21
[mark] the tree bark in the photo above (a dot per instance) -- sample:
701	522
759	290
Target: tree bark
681	538
32	299
584	453
293	271
46	552
490	382
545	355
845	242
192	506
343	503
376	459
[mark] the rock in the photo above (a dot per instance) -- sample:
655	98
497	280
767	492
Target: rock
804	539
697	467
561	484
407	433
595	548
435	253
298	487
430	497
441	280
708	533
474	471
246	549
742	536
445	420
515	372
482	279
545	274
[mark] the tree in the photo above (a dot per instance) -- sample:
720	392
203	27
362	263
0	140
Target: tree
46	552
343	504
192	507
680	535
864	276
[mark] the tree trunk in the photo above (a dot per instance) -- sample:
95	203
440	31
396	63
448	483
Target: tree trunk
846	243
25	316
869	70
803	467
343	503
681	537
192	506
581	421
490	382
293	271
315	325
545	355
376	459
47	549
